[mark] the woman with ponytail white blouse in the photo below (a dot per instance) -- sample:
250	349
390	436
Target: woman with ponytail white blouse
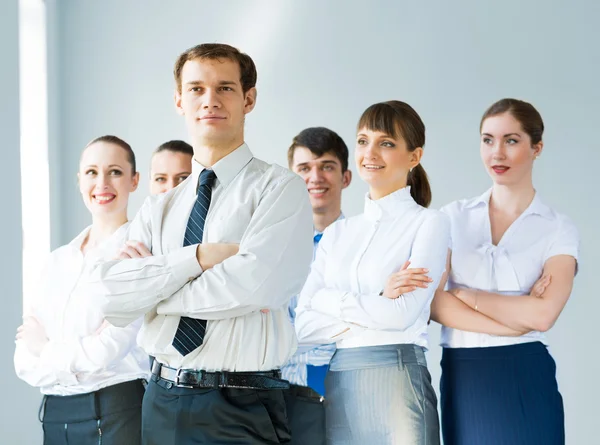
361	294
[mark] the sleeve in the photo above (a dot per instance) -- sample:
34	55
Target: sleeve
270	267
429	250
34	372
31	368
447	210
130	288
565	242
314	327
316	355
92	353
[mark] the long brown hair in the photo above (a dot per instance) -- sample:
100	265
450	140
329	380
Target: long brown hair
400	120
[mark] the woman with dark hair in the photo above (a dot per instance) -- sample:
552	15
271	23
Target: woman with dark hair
362	295
91	373
512	267
171	164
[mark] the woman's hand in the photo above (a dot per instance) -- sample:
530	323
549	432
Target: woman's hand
133	249
406	280
540	286
33	335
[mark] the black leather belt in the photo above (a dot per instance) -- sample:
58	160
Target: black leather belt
305	392
191	378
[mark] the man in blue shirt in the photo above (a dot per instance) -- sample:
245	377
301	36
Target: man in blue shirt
320	157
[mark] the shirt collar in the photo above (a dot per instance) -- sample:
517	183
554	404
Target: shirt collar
537	206
227	168
391	205
77	242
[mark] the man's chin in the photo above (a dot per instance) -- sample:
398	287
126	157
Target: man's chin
320	205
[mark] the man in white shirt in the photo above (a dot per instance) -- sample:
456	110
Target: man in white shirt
216	375
320	157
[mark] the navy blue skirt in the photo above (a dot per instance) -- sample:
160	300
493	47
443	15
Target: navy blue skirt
505	395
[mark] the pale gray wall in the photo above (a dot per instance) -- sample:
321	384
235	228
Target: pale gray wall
323	63
18	409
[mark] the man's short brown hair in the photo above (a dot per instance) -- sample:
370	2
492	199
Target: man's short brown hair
320	140
215	51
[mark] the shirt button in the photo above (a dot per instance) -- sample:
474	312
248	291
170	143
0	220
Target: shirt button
169	385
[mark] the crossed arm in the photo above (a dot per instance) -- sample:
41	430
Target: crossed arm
495	314
40	361
327	314
214	281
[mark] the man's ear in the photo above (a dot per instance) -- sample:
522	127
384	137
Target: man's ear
346	178
250	100
177	97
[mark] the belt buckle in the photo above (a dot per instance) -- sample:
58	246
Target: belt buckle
177	377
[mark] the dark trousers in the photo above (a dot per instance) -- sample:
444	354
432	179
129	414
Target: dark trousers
175	415
306	413
109	416
504	395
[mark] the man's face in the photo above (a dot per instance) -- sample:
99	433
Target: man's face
323	177
213	102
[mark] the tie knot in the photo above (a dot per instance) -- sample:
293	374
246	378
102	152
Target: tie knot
207	177
318	237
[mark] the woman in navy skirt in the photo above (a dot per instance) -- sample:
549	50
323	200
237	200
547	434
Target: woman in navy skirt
91	373
512	264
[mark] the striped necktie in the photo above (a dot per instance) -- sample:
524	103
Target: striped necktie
190	332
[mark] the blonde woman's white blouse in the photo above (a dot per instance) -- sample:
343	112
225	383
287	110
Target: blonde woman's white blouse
81	355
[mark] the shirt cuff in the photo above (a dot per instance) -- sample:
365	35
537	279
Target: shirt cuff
328	301
55	356
183	264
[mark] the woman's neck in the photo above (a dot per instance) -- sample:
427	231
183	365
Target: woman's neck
512	199
102	229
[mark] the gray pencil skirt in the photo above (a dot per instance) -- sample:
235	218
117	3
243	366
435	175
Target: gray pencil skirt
381	395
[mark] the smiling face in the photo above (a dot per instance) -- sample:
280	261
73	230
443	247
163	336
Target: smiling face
168	170
506	150
323	177
213	103
106	180
383	161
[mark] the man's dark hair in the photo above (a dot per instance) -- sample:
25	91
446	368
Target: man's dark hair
320	140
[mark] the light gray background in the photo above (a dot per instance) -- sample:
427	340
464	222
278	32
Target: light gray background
323	63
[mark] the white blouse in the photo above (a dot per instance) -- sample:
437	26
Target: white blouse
510	268
340	300
77	359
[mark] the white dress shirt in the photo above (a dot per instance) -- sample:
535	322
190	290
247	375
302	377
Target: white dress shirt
510	268
77	359
340	300
265	208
